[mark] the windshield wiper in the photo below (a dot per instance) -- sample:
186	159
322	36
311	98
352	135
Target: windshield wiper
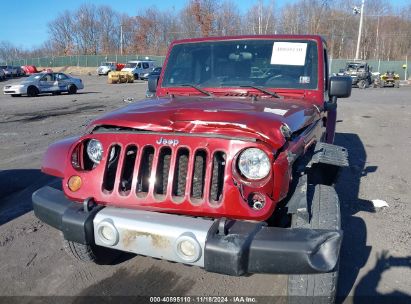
197	88
273	94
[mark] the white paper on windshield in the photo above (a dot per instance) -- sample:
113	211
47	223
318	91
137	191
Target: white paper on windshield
276	111
289	53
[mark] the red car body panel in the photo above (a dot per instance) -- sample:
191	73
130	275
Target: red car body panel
29	69
224	115
55	159
120	66
228	122
231	204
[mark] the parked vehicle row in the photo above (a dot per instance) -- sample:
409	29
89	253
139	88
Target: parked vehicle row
140	69
16	71
12	71
54	83
362	76
47	81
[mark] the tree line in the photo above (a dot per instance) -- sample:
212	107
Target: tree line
92	29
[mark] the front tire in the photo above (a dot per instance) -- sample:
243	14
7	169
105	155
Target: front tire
317	288
32	91
362	84
136	77
90	253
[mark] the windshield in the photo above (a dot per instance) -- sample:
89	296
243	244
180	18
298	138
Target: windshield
355	66
106	63
264	63
131	65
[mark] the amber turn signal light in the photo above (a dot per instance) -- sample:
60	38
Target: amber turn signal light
74	183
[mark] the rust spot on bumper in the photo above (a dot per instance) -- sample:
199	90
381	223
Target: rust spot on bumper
157	241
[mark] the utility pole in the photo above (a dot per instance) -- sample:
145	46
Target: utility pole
260	17
357	52
121	39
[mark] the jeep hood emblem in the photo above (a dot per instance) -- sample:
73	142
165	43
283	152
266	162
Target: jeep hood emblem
164	141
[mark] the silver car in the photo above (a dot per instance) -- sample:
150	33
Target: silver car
9	71
54	83
106	67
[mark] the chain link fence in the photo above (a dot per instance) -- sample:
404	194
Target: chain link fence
95	60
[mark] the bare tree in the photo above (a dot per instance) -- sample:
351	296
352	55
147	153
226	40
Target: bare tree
8	51
228	19
92	29
204	14
261	19
61	33
109	26
86	29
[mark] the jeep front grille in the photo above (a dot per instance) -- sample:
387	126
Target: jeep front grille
162	172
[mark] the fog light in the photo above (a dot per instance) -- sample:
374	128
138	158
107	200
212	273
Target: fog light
74	183
188	249
107	233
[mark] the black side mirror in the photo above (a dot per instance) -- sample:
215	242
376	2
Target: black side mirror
152	83
340	87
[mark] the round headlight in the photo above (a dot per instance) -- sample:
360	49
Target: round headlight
254	163
95	150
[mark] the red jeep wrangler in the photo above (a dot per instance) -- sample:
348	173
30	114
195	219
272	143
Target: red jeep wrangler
229	167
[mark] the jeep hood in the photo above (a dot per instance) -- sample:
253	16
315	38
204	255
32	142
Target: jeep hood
234	117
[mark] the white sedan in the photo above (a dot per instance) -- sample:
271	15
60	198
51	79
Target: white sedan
54	83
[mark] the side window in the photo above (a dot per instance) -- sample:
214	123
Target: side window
61	77
325	70
139	65
47	77
179	68
145	65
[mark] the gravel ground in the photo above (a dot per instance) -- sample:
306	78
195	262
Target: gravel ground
376	259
